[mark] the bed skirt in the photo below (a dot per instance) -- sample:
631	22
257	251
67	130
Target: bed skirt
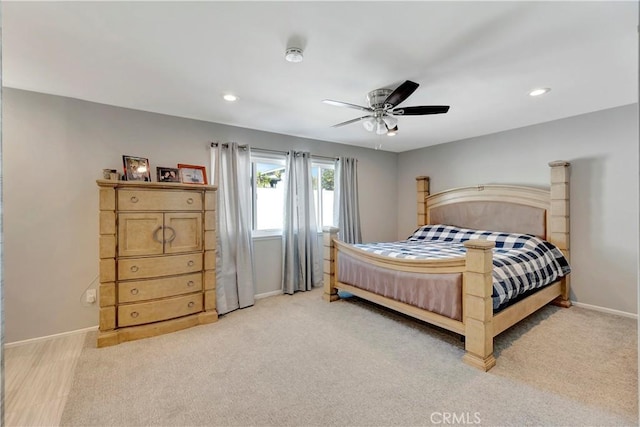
438	293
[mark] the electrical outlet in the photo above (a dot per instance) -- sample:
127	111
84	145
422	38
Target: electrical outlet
91	296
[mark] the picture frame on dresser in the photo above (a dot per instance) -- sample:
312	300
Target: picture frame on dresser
167	174
136	168
192	174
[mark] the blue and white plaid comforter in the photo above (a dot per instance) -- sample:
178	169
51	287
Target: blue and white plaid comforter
521	262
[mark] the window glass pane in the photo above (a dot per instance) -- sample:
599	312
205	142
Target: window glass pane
268	192
326	183
269	195
314	177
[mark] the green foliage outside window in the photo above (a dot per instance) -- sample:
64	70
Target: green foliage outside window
269	179
327	179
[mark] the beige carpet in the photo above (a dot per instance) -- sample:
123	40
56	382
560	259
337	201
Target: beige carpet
297	360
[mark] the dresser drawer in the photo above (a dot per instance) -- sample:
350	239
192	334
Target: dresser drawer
145	268
142	290
159	200
155	311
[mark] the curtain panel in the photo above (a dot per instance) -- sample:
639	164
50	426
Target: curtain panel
301	257
345	196
235	275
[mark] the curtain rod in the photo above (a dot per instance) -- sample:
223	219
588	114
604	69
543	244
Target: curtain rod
324	157
265	150
215	144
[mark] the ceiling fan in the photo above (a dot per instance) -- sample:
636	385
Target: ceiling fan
382	109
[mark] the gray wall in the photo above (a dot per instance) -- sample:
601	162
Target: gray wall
54	150
603	150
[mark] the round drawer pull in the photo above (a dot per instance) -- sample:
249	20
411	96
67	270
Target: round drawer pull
191	304
134	291
134	268
189	201
191	283
134	314
190	263
134	199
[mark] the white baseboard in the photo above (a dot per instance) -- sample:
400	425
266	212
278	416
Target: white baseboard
279	292
95	328
605	310
268	294
48	337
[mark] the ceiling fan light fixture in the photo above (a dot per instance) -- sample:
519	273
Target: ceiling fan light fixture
381	127
381	109
390	121
369	124
293	54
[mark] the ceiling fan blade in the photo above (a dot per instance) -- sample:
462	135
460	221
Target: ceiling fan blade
420	110
348	122
346	104
401	93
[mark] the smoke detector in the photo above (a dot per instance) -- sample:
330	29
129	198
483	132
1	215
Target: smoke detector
293	54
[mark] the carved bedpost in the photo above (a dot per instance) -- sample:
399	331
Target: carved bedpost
478	304
423	191
559	220
330	292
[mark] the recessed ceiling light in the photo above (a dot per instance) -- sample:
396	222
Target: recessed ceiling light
230	97
540	91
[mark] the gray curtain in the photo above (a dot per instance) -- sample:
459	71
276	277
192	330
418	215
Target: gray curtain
301	257
235	276
345	200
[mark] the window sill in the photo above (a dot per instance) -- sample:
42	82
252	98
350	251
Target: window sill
266	234
270	234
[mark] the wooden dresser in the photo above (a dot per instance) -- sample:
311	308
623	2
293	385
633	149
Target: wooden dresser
157	258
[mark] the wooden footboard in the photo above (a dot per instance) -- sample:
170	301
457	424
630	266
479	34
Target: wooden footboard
477	323
528	210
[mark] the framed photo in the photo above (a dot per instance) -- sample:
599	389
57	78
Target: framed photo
192	174
136	168
168	174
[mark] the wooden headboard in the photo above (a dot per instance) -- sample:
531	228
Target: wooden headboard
509	208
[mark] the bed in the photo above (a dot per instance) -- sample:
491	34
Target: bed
472	232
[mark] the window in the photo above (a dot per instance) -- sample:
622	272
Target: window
322	173
268	173
267	178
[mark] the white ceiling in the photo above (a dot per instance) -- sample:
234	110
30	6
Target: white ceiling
481	58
